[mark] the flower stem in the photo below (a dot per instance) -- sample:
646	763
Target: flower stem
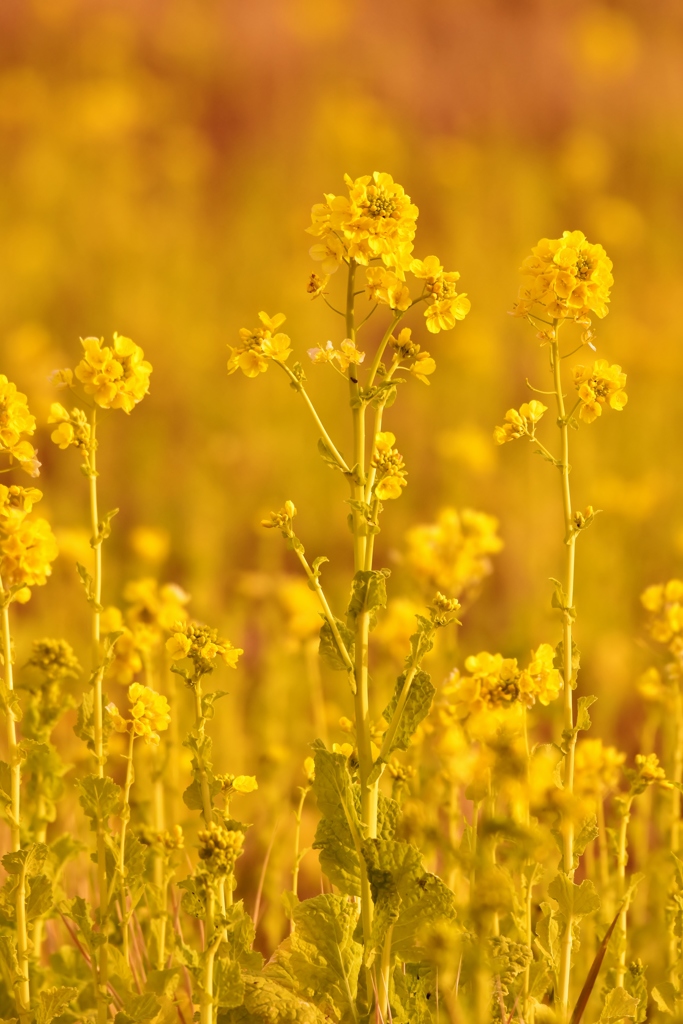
125	818
622	861
567	662
200	723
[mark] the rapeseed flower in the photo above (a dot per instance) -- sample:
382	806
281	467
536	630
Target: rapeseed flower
453	554
259	345
27	546
446	305
149	714
565	277
342	357
419	363
387	288
540	681
16	424
117	376
389	466
598	767
664	602
72	427
202	645
376	219
598	385
520	422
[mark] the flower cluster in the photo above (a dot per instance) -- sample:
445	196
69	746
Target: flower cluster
520	422
443	609
54	659
597	385
445	306
237	784
391	475
376	219
419	363
116	375
453	554
566	277
201	645
259	345
387	288
72	427
346	355
219	848
16	424
664	602
27	546
149	714
598	767
495	682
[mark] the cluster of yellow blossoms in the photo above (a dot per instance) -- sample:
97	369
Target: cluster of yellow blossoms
419	363
149	714
16	423
597	385
72	427
202	645
664	602
341	358
389	467
598	768
495	682
566	277
152	613
453	554
27	546
520	422
259	345
445	306
116	375
219	848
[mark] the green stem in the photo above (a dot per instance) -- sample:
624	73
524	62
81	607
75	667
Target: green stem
339	459
297	842
567	641
125	818
622	861
314	582
23	988
200	723
103	966
385	976
206	1012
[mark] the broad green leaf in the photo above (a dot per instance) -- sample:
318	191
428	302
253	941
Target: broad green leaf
586	834
548	937
52	1002
665	997
39	898
266	1002
583	719
229	984
618	1004
239	938
328	649
138	1009
337	854
8	957
163	983
427	903
100	799
321	960
368	593
573	900
414	994
416	709
30	860
333	788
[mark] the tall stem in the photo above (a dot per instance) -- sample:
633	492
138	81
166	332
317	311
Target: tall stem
622	861
125	818
204	782
567	660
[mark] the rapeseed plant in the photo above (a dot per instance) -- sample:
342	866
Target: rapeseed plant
474	845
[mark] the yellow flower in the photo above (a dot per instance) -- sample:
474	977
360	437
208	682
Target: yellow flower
540	680
567	277
63	436
665	603
244	784
178	646
156	607
16	422
385	287
598	768
493	684
259	345
446	305
520	423
27	549
453	554
72	427
309	769
377	219
420	364
202	645
343	357
597	385
149	714
117	376
389	467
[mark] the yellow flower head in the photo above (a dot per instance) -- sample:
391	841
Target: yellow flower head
377	219
520	422
158	608
259	345
244	784
540	681
202	645
27	546
149	714
391	475
664	602
599	384
598	768
453	554
16	424
566	277
342	357
492	684
117	376
72	427
387	288
420	364
445	305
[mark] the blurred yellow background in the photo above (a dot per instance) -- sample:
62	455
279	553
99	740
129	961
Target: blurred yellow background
159	161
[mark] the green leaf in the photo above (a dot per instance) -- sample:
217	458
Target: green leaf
89	587
5	785
327	455
28	860
321	959
414	994
8	957
416	708
266	1002
339	830
337	854
100	799
103	531
39	898
229	984
573	900
618	1004
208	701
583	719
328	649
163	983
192	900
52	1002
9	701
368	593
138	1009
665	997
586	834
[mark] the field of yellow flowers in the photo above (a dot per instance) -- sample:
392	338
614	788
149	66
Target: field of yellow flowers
341	613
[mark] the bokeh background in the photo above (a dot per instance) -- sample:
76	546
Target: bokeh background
158	163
